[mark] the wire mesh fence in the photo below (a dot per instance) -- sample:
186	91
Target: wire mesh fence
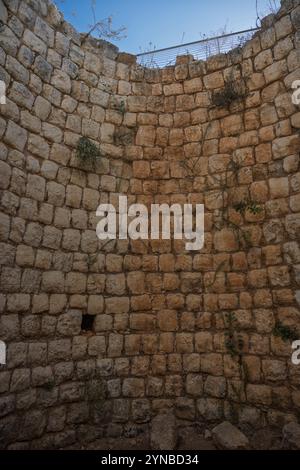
200	50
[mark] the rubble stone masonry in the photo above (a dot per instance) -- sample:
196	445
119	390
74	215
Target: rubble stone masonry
173	329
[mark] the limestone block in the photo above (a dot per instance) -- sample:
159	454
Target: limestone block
69	323
227	436
15	136
61	81
133	387
163	432
53	281
42	68
38	146
34	43
259	394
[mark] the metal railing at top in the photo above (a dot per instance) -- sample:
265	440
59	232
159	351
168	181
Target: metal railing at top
200	50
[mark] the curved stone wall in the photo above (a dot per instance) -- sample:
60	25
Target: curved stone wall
194	332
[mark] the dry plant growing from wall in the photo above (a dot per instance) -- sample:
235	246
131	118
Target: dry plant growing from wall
271	9
87	152
100	28
233	91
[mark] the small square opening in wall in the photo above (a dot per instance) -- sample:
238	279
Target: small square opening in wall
87	322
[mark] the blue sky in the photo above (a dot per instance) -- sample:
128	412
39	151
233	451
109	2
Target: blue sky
164	22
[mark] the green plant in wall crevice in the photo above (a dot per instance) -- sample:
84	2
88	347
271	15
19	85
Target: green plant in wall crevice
285	332
122	107
234	342
234	90
87	152
252	206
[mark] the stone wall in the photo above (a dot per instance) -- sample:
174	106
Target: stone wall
172	329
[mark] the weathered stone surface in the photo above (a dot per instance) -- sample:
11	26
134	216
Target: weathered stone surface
211	409
15	136
103	335
61	81
226	436
43	69
69	323
163	432
38	146
44	31
42	107
291	435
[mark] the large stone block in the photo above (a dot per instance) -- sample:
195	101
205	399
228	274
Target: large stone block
69	323
15	136
53	281
164	432
259	394
227	436
133	387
